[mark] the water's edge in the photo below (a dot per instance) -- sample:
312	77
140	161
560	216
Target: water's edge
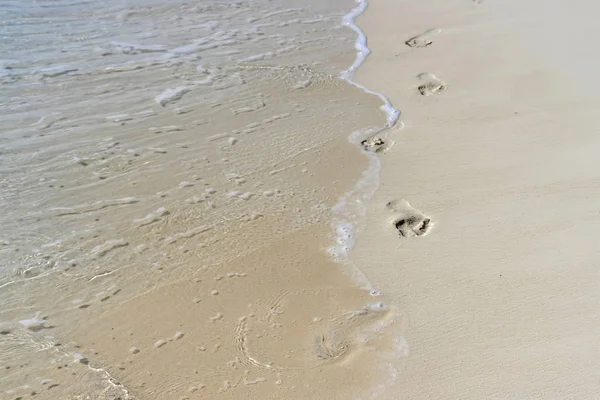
350	210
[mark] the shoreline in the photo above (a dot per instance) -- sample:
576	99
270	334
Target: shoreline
181	237
362	53
348	222
163	296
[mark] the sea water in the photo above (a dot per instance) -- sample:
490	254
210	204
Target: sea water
135	134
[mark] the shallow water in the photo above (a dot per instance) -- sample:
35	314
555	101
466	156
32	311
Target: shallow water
145	144
97	98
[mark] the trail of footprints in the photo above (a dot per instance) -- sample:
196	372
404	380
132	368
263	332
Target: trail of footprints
407	220
431	84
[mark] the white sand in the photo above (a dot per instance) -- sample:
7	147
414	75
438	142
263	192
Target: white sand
502	293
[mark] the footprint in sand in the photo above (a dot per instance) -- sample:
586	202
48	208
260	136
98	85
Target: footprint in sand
380	143
377	144
409	221
337	336
424	39
374	144
431	84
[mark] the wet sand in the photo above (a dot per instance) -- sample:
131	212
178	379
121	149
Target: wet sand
174	178
494	261
276	323
211	288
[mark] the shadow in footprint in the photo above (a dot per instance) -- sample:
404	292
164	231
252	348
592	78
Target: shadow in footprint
424	39
431	84
412	226
409	221
377	144
382	142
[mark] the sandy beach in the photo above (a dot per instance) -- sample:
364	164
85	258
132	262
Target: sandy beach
300	200
499	151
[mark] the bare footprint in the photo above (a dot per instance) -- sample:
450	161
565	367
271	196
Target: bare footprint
377	144
431	84
409	221
311	341
424	39
327	348
380	143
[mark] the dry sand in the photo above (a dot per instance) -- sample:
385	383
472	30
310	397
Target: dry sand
500	153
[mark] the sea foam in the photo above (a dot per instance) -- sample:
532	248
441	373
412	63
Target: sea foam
350	209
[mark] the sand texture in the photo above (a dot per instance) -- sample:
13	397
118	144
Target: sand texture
501	287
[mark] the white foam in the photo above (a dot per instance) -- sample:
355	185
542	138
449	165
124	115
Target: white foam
171	95
187	234
187	49
351	208
135	48
119	117
257	57
152	217
32	323
211	25
363	52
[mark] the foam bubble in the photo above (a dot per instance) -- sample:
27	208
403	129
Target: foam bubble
33	323
171	95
